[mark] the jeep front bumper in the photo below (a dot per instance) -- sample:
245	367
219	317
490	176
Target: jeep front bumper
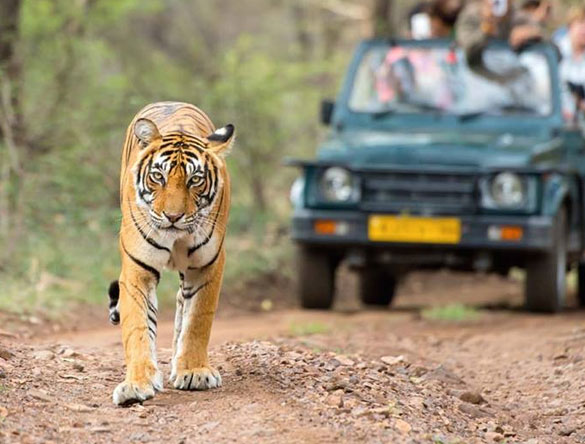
478	232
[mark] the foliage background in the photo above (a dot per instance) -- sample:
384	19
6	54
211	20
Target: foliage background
85	67
74	72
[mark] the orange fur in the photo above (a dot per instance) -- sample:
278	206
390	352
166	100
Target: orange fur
172	165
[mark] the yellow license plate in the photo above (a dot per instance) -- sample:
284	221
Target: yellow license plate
414	229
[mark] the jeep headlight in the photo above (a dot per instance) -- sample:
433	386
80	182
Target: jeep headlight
296	192
508	191
338	185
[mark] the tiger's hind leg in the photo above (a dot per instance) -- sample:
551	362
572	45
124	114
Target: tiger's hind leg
138	311
197	301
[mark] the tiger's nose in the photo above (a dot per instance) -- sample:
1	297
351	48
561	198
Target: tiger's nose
173	217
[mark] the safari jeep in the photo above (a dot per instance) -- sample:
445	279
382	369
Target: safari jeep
430	163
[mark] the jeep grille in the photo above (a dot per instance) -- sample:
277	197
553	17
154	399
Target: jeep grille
419	193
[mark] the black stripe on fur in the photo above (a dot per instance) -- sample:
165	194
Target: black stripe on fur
146	267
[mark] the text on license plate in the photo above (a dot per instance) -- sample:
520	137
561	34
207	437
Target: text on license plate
414	229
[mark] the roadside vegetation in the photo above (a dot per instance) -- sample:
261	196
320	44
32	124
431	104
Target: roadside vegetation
451	313
74	74
308	328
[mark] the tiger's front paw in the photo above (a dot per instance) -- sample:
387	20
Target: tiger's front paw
200	378
129	392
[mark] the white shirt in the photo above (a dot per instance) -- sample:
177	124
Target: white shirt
571	69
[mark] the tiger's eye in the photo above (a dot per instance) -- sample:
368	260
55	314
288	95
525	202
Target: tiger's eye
195	181
156	176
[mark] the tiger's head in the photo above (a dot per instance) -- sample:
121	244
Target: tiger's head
177	176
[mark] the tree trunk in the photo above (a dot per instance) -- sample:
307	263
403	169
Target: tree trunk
11	67
258	193
332	25
11	127
303	35
382	18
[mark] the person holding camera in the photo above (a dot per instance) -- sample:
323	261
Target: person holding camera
483	20
572	68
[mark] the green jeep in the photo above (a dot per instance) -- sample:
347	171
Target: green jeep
432	163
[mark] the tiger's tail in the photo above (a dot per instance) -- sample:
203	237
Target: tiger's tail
114	294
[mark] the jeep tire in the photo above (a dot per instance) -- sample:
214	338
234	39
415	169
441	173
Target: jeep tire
376	286
316	277
545	289
581	283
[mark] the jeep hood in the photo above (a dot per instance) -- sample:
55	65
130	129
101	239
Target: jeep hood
454	149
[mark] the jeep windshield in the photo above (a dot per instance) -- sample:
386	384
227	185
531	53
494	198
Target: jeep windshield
421	79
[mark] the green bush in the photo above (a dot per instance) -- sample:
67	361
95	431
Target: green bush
88	67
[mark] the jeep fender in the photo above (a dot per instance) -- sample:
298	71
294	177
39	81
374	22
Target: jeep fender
566	190
556	189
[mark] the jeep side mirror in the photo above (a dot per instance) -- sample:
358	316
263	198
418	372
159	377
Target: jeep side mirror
327	107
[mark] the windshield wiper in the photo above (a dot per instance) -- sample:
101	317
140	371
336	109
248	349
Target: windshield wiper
465	117
515	108
428	107
416	106
383	113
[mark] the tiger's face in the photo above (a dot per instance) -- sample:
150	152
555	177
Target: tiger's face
177	177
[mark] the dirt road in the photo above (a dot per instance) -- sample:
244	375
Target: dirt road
295	376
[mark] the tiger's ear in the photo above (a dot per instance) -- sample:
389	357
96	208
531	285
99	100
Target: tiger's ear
220	141
146	131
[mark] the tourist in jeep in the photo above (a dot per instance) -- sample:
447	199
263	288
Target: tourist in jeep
483	20
572	68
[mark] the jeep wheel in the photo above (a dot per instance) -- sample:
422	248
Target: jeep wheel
376	286
316	277
581	284
546	274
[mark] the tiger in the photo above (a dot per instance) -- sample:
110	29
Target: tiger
174	198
